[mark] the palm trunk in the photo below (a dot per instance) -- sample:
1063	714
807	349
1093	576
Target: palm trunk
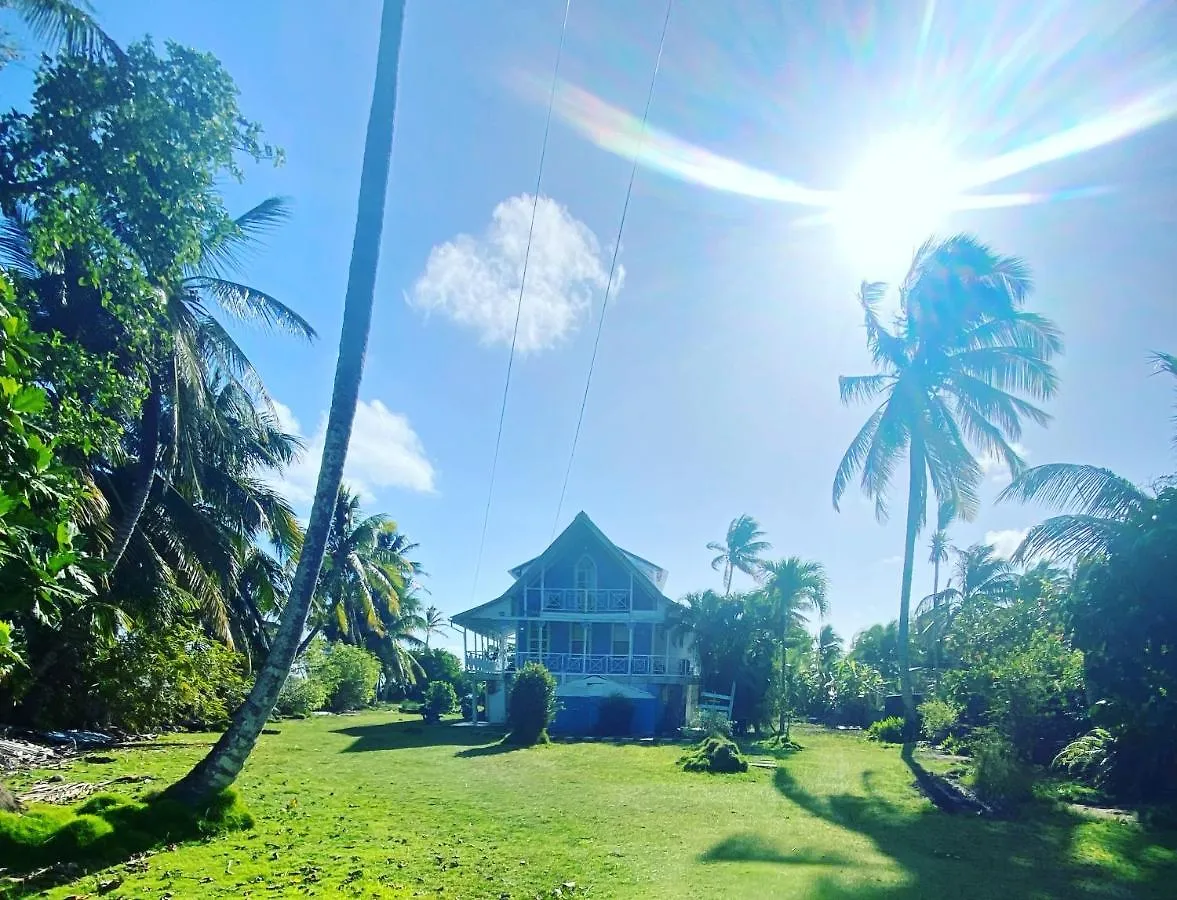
224	762
916	498
144	475
936	617
727	580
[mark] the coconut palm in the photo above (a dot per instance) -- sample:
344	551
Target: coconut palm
938	555
951	368
70	26
224	762
196	346
1101	502
742	549
829	650
793	588
435	622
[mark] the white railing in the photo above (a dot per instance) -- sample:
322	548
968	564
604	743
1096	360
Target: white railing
609	664
575	600
483	663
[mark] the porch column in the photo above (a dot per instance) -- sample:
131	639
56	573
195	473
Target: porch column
629	665
465	655
587	628
667	649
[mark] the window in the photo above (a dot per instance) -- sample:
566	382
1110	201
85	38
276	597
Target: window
620	639
586	574
538	640
577	639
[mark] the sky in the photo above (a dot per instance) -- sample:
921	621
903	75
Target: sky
733	308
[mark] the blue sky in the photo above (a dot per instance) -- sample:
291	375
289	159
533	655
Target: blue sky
715	390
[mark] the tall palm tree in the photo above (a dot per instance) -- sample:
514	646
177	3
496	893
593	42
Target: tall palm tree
938	555
829	650
793	588
742	549
435	622
1101	502
224	762
951	368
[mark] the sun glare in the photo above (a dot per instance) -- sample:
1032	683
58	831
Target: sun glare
901	192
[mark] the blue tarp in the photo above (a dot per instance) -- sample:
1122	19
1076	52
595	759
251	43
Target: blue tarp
578	716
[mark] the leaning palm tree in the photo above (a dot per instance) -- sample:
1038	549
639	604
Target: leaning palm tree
224	762
742	549
793	588
951	368
1100	502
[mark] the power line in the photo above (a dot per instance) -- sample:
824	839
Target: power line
613	265
519	303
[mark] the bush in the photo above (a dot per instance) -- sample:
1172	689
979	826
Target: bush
348	674
440	699
887	731
615	716
108	828
939	718
715	754
1090	758
178	676
301	696
532	706
439	665
712	723
999	777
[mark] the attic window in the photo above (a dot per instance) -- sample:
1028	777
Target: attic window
586	574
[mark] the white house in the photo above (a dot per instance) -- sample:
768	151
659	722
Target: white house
597	619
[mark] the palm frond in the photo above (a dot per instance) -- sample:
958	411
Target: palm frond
1068	537
248	304
1008	368
1088	490
1167	363
228	249
16	255
853	458
861	388
68	24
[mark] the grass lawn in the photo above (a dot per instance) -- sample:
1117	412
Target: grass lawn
376	805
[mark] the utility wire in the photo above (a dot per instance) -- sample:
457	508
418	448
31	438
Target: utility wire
519	303
613	265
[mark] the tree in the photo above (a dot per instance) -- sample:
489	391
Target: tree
793	587
222	765
829	649
70	26
938	555
435	623
741	549
951	368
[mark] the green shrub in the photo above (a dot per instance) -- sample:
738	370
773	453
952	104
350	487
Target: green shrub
887	731
715	754
532	706
108	828
1090	758
178	676
301	696
615	716
938	718
348	674
440	700
999	777
711	723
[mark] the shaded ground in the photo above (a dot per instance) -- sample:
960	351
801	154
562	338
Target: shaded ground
379	805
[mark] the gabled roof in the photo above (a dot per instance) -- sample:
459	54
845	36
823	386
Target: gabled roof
654	574
651	574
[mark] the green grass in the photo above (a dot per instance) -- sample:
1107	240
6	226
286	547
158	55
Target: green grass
377	805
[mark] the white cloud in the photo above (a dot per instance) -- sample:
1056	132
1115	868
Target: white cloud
891	561
384	452
474	281
1006	541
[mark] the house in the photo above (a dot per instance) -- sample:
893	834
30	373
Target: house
597	619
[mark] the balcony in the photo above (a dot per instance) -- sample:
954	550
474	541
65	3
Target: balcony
573	600
609	664
486	662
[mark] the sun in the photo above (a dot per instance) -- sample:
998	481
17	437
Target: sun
901	193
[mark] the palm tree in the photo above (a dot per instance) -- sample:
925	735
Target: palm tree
793	587
435	623
950	371
70	26
829	650
939	554
1102	502
197	347
224	762
742	549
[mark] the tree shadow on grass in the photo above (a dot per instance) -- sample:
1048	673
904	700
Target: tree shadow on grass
1040	854
413	735
750	847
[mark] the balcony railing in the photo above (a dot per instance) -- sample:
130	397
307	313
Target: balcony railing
609	664
483	663
575	600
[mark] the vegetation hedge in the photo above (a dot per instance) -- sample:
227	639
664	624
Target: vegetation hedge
532	706
716	754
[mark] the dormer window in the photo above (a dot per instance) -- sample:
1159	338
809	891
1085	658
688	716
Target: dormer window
586	574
